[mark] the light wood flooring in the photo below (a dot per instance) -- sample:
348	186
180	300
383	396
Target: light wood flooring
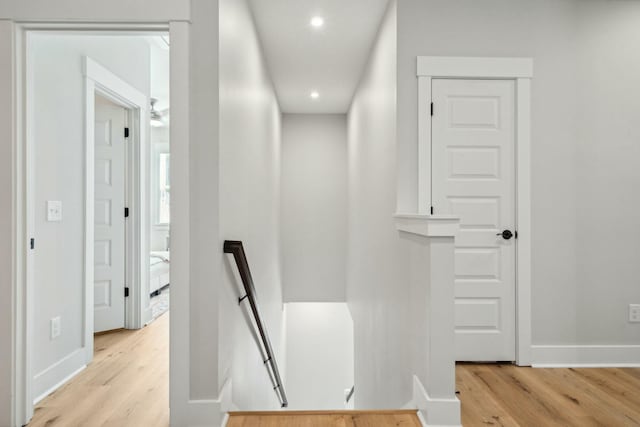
324	419
505	395
126	385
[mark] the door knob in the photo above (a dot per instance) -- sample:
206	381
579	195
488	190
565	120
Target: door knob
506	234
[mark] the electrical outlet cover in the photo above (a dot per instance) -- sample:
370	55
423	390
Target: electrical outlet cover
55	327
634	313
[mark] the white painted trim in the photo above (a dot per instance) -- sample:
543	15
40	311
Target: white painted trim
60	384
179	395
523	222
100	80
226	402
428	225
520	70
121	91
57	374
205	413
431	247
585	356
202	413
89	211
23	403
424	150
423	421
435	412
476	67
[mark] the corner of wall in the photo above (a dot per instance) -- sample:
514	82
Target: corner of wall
435	411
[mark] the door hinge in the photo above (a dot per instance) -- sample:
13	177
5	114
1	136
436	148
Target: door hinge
126	212
32	243
126	132
432	108
126	292
431	210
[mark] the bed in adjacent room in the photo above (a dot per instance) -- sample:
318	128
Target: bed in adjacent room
160	267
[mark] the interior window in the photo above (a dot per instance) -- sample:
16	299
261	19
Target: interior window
164	188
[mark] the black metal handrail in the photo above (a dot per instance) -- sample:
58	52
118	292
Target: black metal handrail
350	394
237	250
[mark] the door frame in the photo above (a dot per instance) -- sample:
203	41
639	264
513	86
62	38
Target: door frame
519	70
100	81
22	298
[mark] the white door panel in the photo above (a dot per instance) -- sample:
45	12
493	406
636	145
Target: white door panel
473	140
109	244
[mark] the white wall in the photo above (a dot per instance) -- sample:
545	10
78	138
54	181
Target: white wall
319	357
377	271
314	207
250	149
584	163
57	119
607	175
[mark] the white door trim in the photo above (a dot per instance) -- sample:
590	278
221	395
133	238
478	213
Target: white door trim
22	407
521	71
99	80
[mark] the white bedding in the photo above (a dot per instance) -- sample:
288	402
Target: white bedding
164	256
160	267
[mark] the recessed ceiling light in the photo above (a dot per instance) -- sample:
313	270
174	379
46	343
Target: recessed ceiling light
317	21
315	94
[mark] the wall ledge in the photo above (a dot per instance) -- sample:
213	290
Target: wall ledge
428	225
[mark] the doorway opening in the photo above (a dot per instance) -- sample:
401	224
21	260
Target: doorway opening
97	205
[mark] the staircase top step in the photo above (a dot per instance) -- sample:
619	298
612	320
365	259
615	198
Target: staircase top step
327	412
341	418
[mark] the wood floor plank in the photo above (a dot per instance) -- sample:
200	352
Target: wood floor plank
548	397
326	419
480	407
127	383
567	393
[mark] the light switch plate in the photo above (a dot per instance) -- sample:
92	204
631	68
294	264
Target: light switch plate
54	210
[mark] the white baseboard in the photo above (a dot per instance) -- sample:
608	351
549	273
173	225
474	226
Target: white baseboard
585	356
147	316
208	413
435	412
226	397
56	375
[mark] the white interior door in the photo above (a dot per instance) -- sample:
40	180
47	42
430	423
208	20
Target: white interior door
473	143
109	259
